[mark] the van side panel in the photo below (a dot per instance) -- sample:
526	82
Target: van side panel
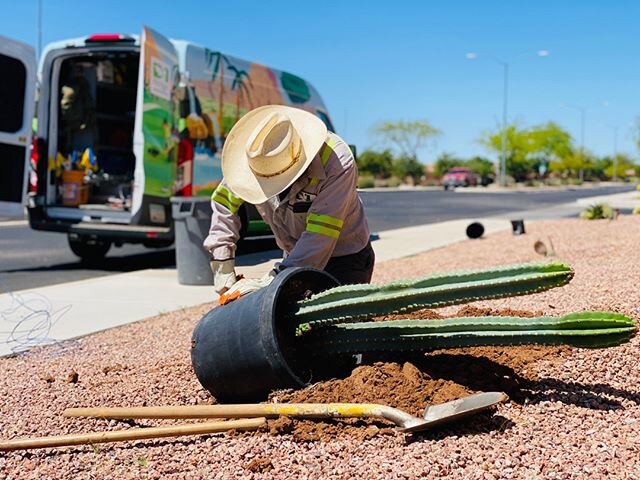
221	89
156	110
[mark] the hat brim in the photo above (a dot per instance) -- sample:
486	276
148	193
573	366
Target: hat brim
239	177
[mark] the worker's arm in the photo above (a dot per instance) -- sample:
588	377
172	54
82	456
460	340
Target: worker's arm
225	224
327	213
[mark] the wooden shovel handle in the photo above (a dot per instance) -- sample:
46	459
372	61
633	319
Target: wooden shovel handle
131	434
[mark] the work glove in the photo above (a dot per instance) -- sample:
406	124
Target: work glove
245	286
248	285
224	274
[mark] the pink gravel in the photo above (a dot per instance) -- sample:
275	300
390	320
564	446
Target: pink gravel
583	421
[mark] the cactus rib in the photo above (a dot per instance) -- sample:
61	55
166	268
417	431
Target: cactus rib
584	329
354	302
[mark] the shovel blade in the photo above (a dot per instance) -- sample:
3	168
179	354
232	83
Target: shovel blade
435	415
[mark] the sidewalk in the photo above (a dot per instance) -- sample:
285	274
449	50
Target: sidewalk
79	308
626	200
74	309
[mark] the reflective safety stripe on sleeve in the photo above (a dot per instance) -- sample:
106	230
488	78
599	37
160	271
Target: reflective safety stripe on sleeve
324	225
325	153
224	197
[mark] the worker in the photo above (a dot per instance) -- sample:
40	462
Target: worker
302	180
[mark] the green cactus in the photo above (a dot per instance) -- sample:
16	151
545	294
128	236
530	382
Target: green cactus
584	329
350	303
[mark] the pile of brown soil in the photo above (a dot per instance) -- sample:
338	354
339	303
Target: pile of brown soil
424	379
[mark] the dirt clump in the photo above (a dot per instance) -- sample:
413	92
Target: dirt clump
259	465
402	386
114	368
472	311
72	377
423	314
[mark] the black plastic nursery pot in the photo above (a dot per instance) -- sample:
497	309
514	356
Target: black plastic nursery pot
243	350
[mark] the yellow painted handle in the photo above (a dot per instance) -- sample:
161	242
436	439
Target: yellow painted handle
269	410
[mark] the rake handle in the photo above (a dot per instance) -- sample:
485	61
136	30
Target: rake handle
131	434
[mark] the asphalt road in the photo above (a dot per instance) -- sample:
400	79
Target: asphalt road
31	259
388	210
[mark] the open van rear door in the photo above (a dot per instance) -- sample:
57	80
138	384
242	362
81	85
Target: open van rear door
17	97
156	126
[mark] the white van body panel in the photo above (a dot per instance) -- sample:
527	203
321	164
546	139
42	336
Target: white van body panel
18	140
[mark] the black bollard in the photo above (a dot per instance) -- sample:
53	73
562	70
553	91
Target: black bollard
245	349
517	227
475	230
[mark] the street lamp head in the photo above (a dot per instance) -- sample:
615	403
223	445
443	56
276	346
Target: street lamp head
471	56
543	53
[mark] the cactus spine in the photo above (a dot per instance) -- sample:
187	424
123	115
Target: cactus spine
350	303
584	329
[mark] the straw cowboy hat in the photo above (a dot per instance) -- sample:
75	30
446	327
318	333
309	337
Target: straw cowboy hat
268	149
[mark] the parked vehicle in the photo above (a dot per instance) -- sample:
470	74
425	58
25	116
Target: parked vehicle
127	122
17	87
460	177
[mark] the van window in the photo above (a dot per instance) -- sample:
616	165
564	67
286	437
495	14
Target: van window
12	89
325	119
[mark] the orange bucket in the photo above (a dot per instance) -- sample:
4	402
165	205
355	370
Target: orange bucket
74	191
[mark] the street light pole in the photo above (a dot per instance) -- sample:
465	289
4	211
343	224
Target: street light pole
614	177
503	160
505	100
583	115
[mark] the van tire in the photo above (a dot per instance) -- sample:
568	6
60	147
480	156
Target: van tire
89	250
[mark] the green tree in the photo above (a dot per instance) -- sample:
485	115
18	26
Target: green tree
571	165
635	131
406	166
517	149
378	164
407	137
446	161
481	166
623	164
527	148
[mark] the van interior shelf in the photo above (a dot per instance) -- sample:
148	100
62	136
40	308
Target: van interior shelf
113	86
114	118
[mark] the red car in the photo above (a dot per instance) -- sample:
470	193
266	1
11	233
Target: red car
459	177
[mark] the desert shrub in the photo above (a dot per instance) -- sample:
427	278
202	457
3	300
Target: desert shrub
598	211
366	181
394	182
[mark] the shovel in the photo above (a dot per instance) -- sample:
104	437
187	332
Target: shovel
434	415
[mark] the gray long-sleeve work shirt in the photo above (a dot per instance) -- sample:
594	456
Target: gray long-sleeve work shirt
320	217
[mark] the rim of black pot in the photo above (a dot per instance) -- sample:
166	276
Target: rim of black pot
301	283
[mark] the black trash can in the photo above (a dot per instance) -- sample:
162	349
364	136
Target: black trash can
192	218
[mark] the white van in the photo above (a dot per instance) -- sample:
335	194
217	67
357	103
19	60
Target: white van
17	89
126	122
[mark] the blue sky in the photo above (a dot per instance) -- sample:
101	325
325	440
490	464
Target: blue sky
379	60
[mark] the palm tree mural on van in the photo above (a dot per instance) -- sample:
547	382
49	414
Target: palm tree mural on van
240	81
216	61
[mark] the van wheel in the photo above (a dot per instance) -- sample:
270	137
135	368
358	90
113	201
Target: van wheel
89	250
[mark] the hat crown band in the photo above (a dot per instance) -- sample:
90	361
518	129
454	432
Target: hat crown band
273	147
